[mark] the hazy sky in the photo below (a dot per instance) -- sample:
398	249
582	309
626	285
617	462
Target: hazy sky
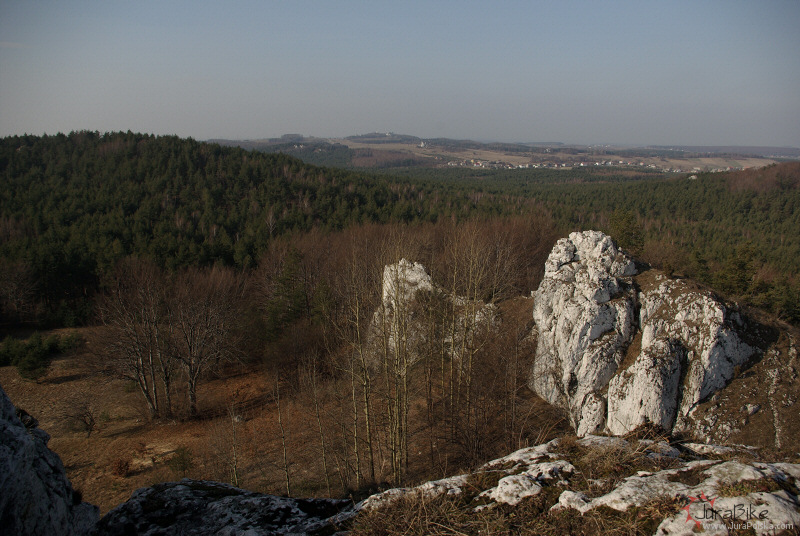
639	72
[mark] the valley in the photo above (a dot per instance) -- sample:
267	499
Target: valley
249	318
400	151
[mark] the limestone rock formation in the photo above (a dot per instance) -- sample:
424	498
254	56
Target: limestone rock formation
690	349
399	324
35	495
195	507
619	347
402	280
597	475
584	311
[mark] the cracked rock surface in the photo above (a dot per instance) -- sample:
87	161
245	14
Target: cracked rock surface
620	346
694	483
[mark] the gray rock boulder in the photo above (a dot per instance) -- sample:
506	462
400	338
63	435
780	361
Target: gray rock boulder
199	507
35	495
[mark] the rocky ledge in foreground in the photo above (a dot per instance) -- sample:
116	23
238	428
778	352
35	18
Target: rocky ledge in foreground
601	484
198	507
35	495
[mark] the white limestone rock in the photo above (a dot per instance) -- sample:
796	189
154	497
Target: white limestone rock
574	500
647	391
513	488
398	324
35	495
701	331
446	486
612	369
402	281
687	488
584	314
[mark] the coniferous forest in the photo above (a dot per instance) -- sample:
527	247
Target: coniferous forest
72	206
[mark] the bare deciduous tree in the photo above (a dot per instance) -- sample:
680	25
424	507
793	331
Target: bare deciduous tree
136	341
203	313
155	325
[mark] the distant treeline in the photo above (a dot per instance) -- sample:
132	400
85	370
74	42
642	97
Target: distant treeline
72	206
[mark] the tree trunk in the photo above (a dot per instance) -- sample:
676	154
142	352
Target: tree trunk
283	440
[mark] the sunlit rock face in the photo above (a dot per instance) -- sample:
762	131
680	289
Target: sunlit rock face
690	349
584	311
402	280
35	495
617	349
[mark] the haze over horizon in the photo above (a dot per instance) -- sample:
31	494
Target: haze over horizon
623	72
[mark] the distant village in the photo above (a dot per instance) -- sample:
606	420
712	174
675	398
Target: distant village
497	164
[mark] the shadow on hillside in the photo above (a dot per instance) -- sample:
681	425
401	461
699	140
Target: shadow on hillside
245	408
126	430
65	379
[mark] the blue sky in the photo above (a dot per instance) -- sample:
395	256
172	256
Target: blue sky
705	72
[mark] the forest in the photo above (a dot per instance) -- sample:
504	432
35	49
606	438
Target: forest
193	262
72	206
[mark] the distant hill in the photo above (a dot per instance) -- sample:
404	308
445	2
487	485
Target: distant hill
71	206
767	152
379	138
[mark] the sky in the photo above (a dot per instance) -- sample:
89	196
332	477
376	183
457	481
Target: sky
640	72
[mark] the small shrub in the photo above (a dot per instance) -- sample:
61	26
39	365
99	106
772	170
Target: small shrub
121	467
33	363
32	357
11	351
181	462
69	342
80	417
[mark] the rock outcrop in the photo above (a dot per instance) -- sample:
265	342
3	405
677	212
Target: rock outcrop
619	347
584	311
402	323
690	349
578	485
402	281
35	495
198	507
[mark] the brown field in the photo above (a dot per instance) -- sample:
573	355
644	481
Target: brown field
238	420
124	434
